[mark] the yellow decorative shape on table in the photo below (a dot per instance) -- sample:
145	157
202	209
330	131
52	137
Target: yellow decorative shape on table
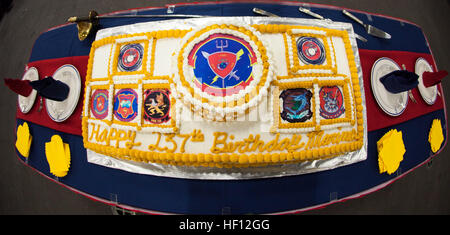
436	137
58	156
24	139
390	151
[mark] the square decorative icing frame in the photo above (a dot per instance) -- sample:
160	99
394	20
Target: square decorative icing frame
295	65
113	80
338	85
318	121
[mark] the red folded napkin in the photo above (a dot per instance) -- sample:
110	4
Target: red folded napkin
433	78
21	87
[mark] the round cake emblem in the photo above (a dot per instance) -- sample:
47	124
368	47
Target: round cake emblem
99	104
310	50
130	57
222	70
126	105
222	64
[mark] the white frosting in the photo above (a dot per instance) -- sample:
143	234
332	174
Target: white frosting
110	103
308	31
290	51
352	105
155	81
131	39
316	103
331	51
149	53
276	46
111	70
86	103
164	49
101	56
304	79
342	63
127	79
140	103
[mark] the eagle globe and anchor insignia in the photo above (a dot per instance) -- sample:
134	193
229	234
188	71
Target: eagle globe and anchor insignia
130	57
296	105
310	50
222	64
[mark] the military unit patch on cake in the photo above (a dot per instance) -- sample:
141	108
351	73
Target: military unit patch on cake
223	94
99	104
331	102
157	106
296	105
125	105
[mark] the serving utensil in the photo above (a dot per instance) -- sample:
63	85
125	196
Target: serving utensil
315	15
264	13
369	28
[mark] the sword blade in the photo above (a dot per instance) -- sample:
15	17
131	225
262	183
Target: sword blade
152	16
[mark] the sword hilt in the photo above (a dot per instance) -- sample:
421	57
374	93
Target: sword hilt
93	16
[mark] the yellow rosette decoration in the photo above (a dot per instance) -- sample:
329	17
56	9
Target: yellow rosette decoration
58	156
24	139
390	151
436	137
